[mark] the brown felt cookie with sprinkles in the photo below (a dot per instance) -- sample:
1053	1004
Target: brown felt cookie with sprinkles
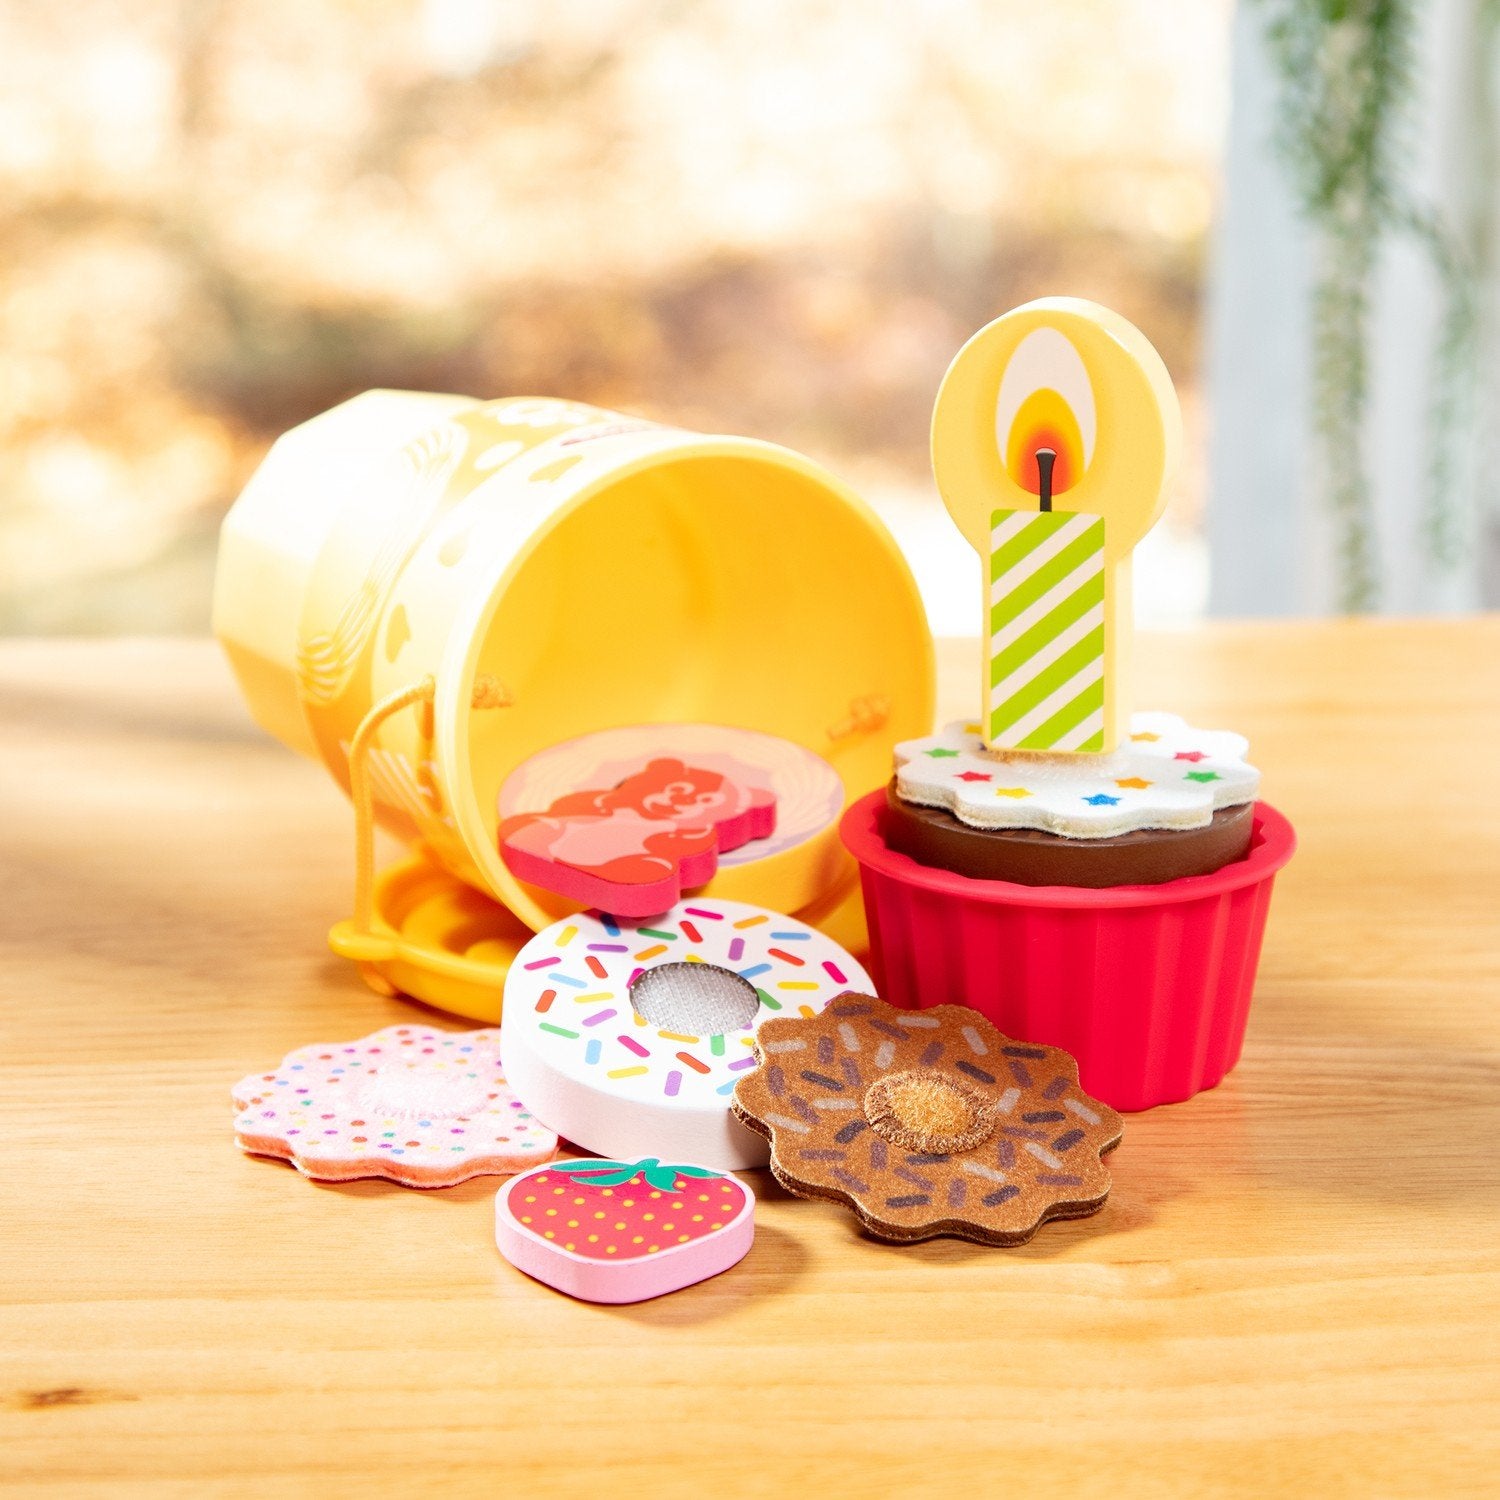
927	1122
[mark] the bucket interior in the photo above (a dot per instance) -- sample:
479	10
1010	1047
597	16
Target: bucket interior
732	588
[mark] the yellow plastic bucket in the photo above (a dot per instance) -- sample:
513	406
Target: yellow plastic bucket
587	570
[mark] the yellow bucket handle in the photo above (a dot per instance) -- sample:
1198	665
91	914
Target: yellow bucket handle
489	692
358	939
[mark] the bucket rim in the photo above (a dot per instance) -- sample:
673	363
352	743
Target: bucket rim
468	631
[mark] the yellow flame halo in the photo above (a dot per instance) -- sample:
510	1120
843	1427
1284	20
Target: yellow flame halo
1136	439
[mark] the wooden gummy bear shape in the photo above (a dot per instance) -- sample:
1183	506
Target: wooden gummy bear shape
632	849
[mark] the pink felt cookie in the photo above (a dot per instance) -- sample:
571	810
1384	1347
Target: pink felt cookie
424	1108
632	849
623	1231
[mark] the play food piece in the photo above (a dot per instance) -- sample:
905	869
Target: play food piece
623	1231
419	1106
1054	437
632	848
809	793
1148	987
1029	856
927	1123
1135	885
627	1037
1167	774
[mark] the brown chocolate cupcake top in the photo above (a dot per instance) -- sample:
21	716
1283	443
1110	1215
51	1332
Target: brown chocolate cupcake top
927	1122
1029	856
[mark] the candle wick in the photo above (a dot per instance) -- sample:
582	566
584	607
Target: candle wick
1045	458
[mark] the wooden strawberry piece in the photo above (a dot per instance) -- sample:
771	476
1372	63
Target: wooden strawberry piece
618	1231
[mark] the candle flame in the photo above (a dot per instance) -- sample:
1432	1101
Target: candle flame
1046	400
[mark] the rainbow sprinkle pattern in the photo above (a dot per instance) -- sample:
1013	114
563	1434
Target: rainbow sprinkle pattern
421	1107
568	995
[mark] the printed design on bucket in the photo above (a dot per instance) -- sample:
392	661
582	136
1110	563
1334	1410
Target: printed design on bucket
421	1107
808	792
633	847
1167	774
927	1123
327	656
425	481
364	630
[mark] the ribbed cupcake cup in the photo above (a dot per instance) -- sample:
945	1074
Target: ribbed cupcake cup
1148	986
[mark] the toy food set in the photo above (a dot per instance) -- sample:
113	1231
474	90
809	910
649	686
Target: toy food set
421	1107
628	1037
1087	877
623	1231
652	713
927	1122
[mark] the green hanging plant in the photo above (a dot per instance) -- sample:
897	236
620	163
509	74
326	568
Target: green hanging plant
1348	80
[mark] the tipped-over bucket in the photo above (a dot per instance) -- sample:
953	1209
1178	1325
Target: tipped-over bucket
550	569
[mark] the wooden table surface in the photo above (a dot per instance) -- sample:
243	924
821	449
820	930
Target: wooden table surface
1295	1285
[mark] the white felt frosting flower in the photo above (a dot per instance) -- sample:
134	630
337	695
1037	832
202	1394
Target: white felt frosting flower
1166	775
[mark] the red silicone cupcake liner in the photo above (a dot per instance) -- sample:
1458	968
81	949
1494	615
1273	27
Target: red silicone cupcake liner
1148	986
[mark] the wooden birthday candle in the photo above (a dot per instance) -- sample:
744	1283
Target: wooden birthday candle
1054	437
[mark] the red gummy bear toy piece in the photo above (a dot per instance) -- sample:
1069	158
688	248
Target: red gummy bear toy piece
632	849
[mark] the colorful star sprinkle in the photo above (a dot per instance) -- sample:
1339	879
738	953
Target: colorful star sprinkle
422	1107
1082	796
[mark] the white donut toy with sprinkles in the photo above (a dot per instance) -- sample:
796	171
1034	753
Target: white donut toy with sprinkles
628	1037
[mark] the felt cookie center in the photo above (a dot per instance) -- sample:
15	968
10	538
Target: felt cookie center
921	1110
694	999
416	1089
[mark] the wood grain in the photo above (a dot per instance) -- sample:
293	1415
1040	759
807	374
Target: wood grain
1295	1286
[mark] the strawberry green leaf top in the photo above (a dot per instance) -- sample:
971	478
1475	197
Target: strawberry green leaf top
602	1173
622	1231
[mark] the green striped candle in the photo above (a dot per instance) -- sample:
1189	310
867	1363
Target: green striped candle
1046	593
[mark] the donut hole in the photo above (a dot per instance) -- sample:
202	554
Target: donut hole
695	999
923	1110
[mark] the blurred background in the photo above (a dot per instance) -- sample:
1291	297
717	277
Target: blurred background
775	217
